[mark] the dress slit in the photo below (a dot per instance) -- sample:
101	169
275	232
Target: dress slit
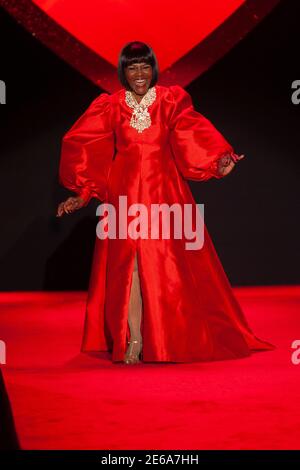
136	268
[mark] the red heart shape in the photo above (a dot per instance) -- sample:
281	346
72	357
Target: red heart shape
187	37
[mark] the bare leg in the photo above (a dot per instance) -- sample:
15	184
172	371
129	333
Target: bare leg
135	313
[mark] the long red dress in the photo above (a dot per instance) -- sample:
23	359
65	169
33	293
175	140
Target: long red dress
189	309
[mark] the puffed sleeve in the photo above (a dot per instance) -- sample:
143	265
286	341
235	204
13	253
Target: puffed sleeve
196	144
87	151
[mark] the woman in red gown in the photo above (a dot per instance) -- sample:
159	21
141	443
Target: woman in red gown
151	298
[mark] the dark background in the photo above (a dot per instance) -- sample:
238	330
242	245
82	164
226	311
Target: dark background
252	214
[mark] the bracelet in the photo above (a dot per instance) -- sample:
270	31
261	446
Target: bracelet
224	160
234	157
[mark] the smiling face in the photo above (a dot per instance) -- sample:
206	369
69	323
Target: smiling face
139	76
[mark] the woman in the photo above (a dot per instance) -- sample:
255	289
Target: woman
167	302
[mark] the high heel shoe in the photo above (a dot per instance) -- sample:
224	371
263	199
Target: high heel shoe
133	357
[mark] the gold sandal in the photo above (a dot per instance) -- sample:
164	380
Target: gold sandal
133	358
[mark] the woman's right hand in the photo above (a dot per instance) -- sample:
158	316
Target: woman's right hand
70	205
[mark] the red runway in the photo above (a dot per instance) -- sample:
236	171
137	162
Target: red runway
62	399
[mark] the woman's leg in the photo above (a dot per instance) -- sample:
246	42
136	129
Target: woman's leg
135	311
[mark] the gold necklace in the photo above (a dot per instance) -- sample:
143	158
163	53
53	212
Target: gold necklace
140	118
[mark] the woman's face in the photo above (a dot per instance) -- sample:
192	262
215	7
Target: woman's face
139	76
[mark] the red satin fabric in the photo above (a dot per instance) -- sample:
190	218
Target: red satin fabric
189	310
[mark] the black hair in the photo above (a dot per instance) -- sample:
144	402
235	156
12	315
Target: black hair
136	51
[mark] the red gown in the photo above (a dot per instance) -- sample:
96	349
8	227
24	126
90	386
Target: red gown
189	310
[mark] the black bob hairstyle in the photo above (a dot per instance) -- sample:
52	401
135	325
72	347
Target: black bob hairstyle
133	52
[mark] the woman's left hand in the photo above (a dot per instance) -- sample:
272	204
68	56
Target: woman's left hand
69	206
226	164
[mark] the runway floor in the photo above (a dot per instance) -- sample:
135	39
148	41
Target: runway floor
63	399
